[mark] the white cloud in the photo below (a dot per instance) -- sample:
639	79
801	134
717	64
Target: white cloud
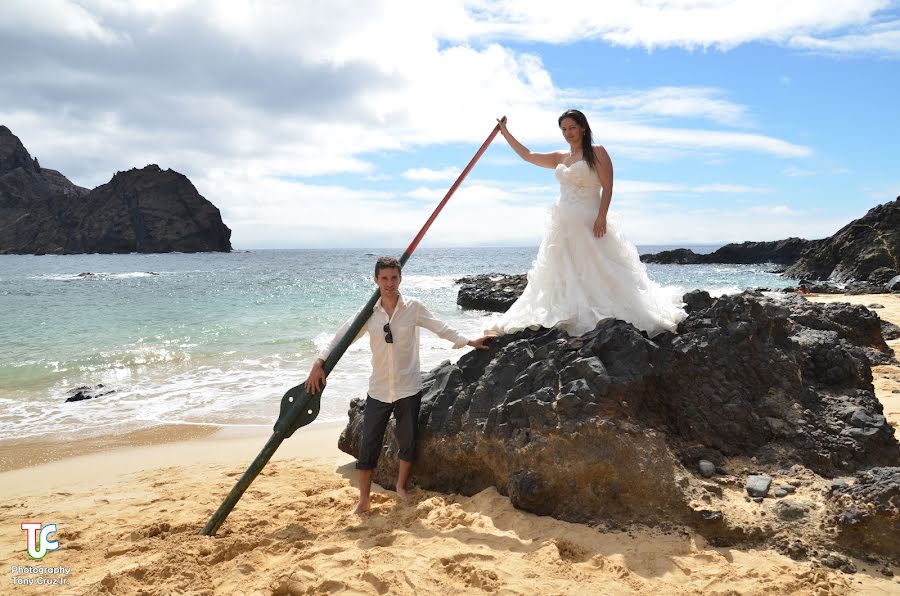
246	97
779	210
680	23
668	102
629	187
630	135
795	172
57	18
883	38
426	193
431	175
266	213
886	192
721	225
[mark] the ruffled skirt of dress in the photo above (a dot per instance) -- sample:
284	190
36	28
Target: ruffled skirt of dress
577	280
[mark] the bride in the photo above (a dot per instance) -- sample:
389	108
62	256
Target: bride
585	270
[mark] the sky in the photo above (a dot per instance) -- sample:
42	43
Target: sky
320	124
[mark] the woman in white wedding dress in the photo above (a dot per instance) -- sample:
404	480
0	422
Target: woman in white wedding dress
585	270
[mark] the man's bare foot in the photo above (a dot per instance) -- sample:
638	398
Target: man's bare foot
361	507
403	494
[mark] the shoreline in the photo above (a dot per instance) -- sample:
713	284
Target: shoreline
227	446
17	454
129	509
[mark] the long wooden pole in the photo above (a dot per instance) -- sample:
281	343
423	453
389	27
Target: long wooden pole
299	408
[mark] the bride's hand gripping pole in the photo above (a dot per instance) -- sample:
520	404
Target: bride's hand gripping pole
299	408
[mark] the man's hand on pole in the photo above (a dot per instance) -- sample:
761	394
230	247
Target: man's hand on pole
316	379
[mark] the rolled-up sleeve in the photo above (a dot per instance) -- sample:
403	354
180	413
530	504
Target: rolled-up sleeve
425	319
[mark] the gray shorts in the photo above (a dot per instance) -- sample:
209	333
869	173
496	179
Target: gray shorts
375	420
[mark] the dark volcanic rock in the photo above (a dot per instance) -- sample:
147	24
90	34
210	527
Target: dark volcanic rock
758	485
865	246
495	292
146	210
782	252
84	392
865	251
893	284
606	426
13	154
867	513
678	256
150	210
696	300
889	331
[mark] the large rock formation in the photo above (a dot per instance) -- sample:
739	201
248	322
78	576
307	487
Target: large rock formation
865	250
610	426
146	210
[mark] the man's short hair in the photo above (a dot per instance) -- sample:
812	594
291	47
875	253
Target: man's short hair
387	263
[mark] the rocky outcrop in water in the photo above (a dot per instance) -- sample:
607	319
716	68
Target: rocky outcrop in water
141	210
493	292
611	426
85	392
782	252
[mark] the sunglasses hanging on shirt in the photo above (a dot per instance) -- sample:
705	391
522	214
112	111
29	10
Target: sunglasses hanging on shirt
388	337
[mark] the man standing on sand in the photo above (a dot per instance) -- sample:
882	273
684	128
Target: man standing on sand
395	384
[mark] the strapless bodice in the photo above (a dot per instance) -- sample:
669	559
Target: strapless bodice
578	185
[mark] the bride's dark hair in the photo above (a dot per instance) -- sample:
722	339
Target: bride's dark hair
587	142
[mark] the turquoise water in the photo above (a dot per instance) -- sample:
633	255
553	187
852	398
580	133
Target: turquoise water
218	338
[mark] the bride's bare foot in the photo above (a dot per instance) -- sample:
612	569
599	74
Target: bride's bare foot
361	507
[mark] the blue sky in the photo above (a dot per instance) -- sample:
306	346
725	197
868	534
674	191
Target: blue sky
342	124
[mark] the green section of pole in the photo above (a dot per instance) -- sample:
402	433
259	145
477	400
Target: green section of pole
298	407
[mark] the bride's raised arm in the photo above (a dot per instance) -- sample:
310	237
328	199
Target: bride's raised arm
545	160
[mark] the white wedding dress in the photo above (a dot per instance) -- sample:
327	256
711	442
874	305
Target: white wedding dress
577	279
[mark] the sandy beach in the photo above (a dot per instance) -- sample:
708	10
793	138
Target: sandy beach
128	518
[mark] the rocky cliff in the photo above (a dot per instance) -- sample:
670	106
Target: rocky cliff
865	250
141	210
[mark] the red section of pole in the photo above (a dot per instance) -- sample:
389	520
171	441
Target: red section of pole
298	408
462	176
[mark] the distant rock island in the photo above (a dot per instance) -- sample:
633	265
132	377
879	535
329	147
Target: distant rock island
865	250
143	210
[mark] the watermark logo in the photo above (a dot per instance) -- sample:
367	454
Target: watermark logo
38	538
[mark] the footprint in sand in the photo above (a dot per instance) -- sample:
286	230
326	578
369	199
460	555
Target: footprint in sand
230	551
385	540
380	586
471	576
293	533
571	551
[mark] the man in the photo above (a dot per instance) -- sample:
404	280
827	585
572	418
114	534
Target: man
395	385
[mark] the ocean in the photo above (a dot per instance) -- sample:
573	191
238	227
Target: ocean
216	338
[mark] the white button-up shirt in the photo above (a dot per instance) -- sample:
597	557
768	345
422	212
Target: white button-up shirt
395	366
